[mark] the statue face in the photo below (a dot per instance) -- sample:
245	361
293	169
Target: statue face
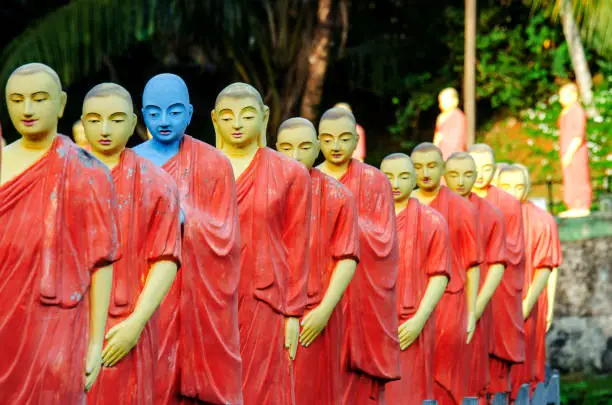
485	168
299	143
514	183
338	140
240	122
447	101
109	122
400	173
35	103
460	175
429	168
567	96
166	109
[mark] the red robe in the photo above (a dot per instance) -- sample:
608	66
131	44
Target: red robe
424	253
577	190
199	357
451	366
493	234
319	378
542	307
274	197
538	253
148	212
57	225
371	350
453	129
508	340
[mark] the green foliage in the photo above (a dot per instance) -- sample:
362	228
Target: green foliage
591	391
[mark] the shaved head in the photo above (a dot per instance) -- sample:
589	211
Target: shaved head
460	156
32	68
570	87
514	168
240	90
481	148
346	106
450	91
398	155
426	147
109	89
298	122
337	113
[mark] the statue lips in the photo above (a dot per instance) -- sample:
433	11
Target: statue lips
237	135
29	122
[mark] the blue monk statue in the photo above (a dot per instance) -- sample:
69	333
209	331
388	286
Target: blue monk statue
167	113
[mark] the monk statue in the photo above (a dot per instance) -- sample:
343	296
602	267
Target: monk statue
334	252
546	301
360	150
58	240
574	153
460	177
508	340
372	346
78	134
199	354
148	213
274	198
456	313
450	135
539	261
424	271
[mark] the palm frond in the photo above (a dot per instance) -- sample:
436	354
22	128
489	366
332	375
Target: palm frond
593	16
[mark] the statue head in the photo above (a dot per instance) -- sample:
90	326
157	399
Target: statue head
78	134
515	181
338	135
165	108
35	100
484	158
568	94
460	173
448	99
428	165
498	168
297	138
240	117
400	171
108	118
344	105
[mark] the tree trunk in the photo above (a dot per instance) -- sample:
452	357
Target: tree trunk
576	51
469	70
318	60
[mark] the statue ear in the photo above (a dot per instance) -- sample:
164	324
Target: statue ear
218	139
190	111
263	141
63	99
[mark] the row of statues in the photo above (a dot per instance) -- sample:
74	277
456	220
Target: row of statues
450	136
180	273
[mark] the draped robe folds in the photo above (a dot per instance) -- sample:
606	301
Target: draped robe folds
493	234
577	190
451	365
539	249
371	350
542	306
319	378
453	130
424	253
148	212
57	225
508	340
274	198
199	356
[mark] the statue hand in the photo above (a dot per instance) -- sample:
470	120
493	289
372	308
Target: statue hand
121	339
313	324
93	364
471	327
566	160
409	331
525	313
292	334
548	323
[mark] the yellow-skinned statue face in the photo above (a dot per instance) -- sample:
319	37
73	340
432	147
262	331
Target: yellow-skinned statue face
35	100
400	172
297	138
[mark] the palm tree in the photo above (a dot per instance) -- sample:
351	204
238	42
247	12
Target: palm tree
263	42
595	18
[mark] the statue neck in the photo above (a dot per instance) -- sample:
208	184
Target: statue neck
401	205
246	152
480	192
170	148
426	196
334	170
41	144
111	161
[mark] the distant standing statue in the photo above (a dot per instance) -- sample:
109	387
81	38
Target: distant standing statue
450	135
577	191
360	150
78	134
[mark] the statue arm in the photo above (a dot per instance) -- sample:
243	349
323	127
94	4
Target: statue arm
574	145
124	336
316	320
473	279
100	293
535	289
552	291
494	277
